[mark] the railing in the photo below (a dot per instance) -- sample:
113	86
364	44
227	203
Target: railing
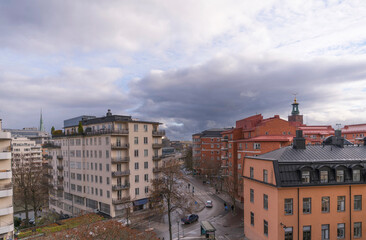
60	178
49	166
47	175
120	160
120	187
224	139
108	131
5	154
60	157
120	146
120	173
157	145
5	135
156	169
60	167
224	149
224	157
5	228
7	186
158	133
121	200
51	145
6	210
156	158
60	187
224	166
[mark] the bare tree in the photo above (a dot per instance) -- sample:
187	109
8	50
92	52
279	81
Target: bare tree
167	192
30	191
230	187
188	159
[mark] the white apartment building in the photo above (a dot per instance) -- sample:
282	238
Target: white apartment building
6	188
26	150
108	167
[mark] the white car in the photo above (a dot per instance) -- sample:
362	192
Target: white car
209	204
124	222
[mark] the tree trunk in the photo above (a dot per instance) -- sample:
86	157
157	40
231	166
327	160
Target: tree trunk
169	220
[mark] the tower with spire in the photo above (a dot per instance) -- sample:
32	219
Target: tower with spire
295	116
41	127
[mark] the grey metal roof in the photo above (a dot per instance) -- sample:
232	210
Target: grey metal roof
316	153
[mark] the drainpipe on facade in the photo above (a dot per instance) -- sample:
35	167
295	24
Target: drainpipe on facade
350	214
298	214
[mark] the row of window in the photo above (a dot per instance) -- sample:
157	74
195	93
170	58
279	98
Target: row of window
324	176
265	174
85	178
87	165
306	230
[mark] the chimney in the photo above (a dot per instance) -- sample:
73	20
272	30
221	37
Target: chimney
109	113
299	141
364	139
338	139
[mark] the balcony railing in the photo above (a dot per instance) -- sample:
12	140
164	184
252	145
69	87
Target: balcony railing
158	133
60	157
6	228
224	139
224	157
60	187
60	167
156	169
157	158
121	200
120	187
7	186
108	131
49	166
157	145
120	173
224	166
120	160
47	175
120	146
5	154
224	149
60	178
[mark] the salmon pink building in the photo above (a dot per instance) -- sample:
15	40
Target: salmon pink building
306	191
354	133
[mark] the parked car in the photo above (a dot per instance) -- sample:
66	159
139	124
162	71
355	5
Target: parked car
32	221
64	216
124	222
209	204
190	219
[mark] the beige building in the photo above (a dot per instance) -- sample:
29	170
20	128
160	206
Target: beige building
108	167
25	149
6	189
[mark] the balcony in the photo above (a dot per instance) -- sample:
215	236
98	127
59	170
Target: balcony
60	167
158	133
49	166
107	131
5	155
6	190
120	160
5	228
47	175
60	187
120	187
121	200
224	139
224	158
120	146
156	158
60	157
224	149
157	145
120	132
5	174
60	178
47	156
6	210
5	135
156	169
120	173
224	166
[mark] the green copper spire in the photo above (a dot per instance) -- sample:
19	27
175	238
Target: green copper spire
41	127
295	108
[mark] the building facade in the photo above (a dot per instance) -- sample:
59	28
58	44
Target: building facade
354	133
306	192
6	188
107	166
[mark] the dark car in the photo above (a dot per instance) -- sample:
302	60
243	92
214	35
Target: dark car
190	219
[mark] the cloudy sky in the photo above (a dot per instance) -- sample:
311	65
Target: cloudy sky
189	64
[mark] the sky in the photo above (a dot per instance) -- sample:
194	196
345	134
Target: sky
189	64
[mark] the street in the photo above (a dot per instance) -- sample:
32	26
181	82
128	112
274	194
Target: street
228	224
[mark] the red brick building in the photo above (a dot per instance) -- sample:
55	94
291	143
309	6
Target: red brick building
206	151
252	136
354	133
315	135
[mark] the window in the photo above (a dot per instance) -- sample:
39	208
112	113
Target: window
135	127
356	175
340	231
325	204
325	231
146	189
306	203
306	232
265	227
136	165
146	153
136	153
252	218
265	201
137	191
252	195
146	165
136	140
340	176
305	177
145	140
288	206
357	229
108	194
251	172
256	145
265	176
107	154
145	128
106	140
288	233
136	178
100	179
341	203
107	167
100	167
107	180
357	202
323	176
146	177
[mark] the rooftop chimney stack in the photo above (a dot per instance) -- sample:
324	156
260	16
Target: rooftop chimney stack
338	139
299	141
109	113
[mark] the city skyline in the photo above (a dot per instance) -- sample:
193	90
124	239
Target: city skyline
189	65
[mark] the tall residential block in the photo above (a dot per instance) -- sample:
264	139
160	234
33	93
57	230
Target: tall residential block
106	166
6	188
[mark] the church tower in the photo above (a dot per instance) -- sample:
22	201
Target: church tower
41	127
295	116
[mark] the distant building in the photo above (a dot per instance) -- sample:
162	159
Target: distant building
306	192
6	187
107	168
354	133
24	149
206	150
39	137
315	134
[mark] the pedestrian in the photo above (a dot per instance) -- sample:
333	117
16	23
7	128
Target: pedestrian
224	204
232	208
225	208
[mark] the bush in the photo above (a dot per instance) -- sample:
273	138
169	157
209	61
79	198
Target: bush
17	221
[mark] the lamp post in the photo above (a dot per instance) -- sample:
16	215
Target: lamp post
178	229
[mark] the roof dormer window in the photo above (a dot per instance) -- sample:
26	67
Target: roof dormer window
305	176
340	175
323	176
